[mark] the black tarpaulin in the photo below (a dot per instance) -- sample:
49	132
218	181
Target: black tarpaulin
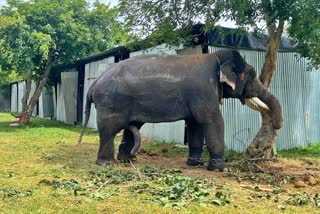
221	36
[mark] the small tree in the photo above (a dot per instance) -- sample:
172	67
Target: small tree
39	34
153	17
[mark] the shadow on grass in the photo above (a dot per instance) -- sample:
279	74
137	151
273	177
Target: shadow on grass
76	156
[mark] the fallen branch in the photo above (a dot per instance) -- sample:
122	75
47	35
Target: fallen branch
138	172
256	188
263	159
105	183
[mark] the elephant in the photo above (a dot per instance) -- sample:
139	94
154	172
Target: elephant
167	88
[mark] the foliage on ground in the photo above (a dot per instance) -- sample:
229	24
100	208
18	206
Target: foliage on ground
43	170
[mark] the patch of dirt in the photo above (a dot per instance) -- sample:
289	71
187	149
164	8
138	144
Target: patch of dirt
293	167
283	172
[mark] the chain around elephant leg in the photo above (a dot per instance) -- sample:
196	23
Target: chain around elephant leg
216	164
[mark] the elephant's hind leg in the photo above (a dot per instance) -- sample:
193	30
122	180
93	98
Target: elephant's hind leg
108	127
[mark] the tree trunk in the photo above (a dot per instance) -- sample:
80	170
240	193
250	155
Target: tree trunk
264	142
26	95
35	97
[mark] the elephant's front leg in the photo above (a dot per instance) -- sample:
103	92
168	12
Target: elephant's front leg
214	136
195	143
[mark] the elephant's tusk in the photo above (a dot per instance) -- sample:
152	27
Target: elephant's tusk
251	105
260	103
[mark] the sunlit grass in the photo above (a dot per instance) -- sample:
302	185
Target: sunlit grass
48	150
312	151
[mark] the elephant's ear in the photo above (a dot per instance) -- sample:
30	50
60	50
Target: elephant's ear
227	75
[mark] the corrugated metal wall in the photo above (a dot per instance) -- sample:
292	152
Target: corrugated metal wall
296	89
54	101
67	97
14	94
21	90
92	71
312	106
17	92
160	49
191	50
46	104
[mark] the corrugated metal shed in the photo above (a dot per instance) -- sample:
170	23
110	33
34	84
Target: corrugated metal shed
92	71
17	92
67	97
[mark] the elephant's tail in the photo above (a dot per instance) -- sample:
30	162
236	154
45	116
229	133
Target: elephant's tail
87	114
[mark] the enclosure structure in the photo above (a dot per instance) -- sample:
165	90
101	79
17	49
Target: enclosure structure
5	98
66	97
71	89
92	71
44	107
295	86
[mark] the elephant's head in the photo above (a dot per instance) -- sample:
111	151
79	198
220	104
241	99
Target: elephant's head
240	81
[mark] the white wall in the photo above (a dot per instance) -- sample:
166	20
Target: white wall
67	92
45	104
14	104
54	101
17	94
160	49
21	90
92	71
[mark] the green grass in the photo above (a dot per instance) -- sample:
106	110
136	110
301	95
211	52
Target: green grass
43	170
312	151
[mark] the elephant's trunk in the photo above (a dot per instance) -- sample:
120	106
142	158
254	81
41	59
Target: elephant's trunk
137	140
275	109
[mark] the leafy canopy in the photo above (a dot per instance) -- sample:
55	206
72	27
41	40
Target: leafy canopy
165	18
33	32
305	30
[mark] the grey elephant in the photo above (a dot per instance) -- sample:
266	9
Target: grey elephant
166	88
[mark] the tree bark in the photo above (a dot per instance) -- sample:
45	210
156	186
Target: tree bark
26	95
35	97
264	142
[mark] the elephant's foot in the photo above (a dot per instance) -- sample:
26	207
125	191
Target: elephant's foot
104	162
125	157
216	164
194	161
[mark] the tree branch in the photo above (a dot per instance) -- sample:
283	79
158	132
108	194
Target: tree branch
271	52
